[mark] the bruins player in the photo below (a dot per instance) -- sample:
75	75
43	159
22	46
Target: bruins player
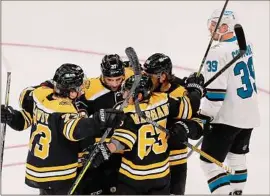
103	92
52	159
145	168
159	67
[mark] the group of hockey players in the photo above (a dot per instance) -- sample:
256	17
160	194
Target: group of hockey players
69	114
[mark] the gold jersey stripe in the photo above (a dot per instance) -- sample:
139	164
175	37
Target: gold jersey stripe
53	168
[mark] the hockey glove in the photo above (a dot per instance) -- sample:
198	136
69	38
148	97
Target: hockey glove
206	123
100	152
81	106
109	118
7	114
180	130
195	83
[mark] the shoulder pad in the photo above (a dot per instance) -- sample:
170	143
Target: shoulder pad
95	90
128	72
180	91
25	96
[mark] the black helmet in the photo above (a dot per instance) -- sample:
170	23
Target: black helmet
158	63
112	66
68	77
145	86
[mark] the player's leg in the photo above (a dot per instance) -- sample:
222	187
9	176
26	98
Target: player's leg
236	159
217	143
178	166
178	179
124	189
55	191
164	190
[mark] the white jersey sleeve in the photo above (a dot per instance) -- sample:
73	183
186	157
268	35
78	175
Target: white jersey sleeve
232	98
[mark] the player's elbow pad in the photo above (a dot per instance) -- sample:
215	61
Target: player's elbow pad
195	101
86	127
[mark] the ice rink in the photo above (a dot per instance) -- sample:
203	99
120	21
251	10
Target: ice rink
37	37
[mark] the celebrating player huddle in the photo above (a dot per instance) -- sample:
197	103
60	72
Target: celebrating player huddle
70	113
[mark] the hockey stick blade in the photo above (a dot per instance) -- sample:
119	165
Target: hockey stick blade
134	60
240	35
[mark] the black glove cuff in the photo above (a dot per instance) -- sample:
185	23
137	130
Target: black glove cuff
197	87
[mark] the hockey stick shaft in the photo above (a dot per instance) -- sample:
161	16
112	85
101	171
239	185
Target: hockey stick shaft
130	52
3	127
212	38
196	145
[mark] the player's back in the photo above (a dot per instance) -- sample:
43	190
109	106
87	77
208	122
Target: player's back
53	158
147	164
232	97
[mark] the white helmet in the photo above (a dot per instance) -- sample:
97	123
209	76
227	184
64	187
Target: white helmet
229	18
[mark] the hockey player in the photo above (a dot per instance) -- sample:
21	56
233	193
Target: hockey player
52	159
145	166
232	100
104	92
159	67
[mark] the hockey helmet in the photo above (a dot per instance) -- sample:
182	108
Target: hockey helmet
157	64
145	86
112	66
229	18
68	77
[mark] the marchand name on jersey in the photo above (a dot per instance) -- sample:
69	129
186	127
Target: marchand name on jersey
154	114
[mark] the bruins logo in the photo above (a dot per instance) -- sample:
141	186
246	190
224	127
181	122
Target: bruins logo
87	84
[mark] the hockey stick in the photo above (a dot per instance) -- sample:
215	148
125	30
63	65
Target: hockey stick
196	145
4	126
242	46
212	38
130	52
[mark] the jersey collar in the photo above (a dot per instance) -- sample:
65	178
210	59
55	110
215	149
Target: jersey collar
231	40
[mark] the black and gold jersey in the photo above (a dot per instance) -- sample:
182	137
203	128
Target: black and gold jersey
52	159
97	95
145	162
178	151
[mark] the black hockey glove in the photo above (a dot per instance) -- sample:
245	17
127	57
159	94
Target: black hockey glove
100	153
109	118
7	114
195	83
206	123
180	130
81	106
